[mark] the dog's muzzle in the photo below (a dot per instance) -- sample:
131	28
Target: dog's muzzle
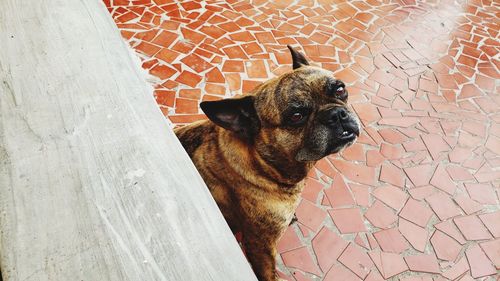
339	117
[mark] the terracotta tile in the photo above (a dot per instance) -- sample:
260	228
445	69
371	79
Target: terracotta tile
348	220
256	69
457	270
289	240
298	276
458	173
167	55
442	180
419	175
417	236
189	118
466	277
338	194
361	241
469	91
233	66
388	264
207	97
420	193
311	190
472	228
367	113
391	151
325	167
252	48
354	152
249	85
164	97
435	144
391	196
374	158
482	193
374	276
186	106
380	216
162	71
479	263
459	154
147	49
490	220
235	52
189	93
416	212
327	246
361	194
265	37
356	173
381	77
214	76
166	38
468	205
445	247
308	214
196	63
403	122
449	228
392	175
423	263
356	260
443	206
339	272
391	240
212	31
392	136
188	78
127	17
183	47
306	232
301	259
347	76
215	89
493	144
492	251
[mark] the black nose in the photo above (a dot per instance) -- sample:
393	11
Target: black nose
335	115
342	113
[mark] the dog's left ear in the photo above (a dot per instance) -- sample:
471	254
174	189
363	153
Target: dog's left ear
298	59
236	114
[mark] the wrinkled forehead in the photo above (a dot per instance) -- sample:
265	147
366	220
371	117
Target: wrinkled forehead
300	83
304	87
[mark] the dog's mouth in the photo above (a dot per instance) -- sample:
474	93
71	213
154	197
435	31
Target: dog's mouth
348	136
349	133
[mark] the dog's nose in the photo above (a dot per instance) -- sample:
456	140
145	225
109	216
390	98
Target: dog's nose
337	114
342	113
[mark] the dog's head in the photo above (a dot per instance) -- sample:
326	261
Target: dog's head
301	114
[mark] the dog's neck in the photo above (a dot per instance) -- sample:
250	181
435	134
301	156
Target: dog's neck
275	169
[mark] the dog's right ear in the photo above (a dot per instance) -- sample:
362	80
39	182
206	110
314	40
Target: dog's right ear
297	58
237	115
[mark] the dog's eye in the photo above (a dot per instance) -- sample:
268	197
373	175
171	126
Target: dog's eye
337	89
296	117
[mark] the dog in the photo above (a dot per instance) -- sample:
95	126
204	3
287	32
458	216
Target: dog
255	151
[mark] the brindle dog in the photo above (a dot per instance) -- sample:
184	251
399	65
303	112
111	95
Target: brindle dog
255	151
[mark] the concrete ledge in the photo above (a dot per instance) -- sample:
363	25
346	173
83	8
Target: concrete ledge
92	179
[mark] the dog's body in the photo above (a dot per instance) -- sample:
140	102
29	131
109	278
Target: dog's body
255	152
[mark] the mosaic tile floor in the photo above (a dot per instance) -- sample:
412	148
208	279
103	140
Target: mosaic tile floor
417	198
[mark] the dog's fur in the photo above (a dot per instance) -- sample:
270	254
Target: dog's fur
256	150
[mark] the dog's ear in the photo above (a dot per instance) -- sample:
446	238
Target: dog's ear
236	114
297	58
